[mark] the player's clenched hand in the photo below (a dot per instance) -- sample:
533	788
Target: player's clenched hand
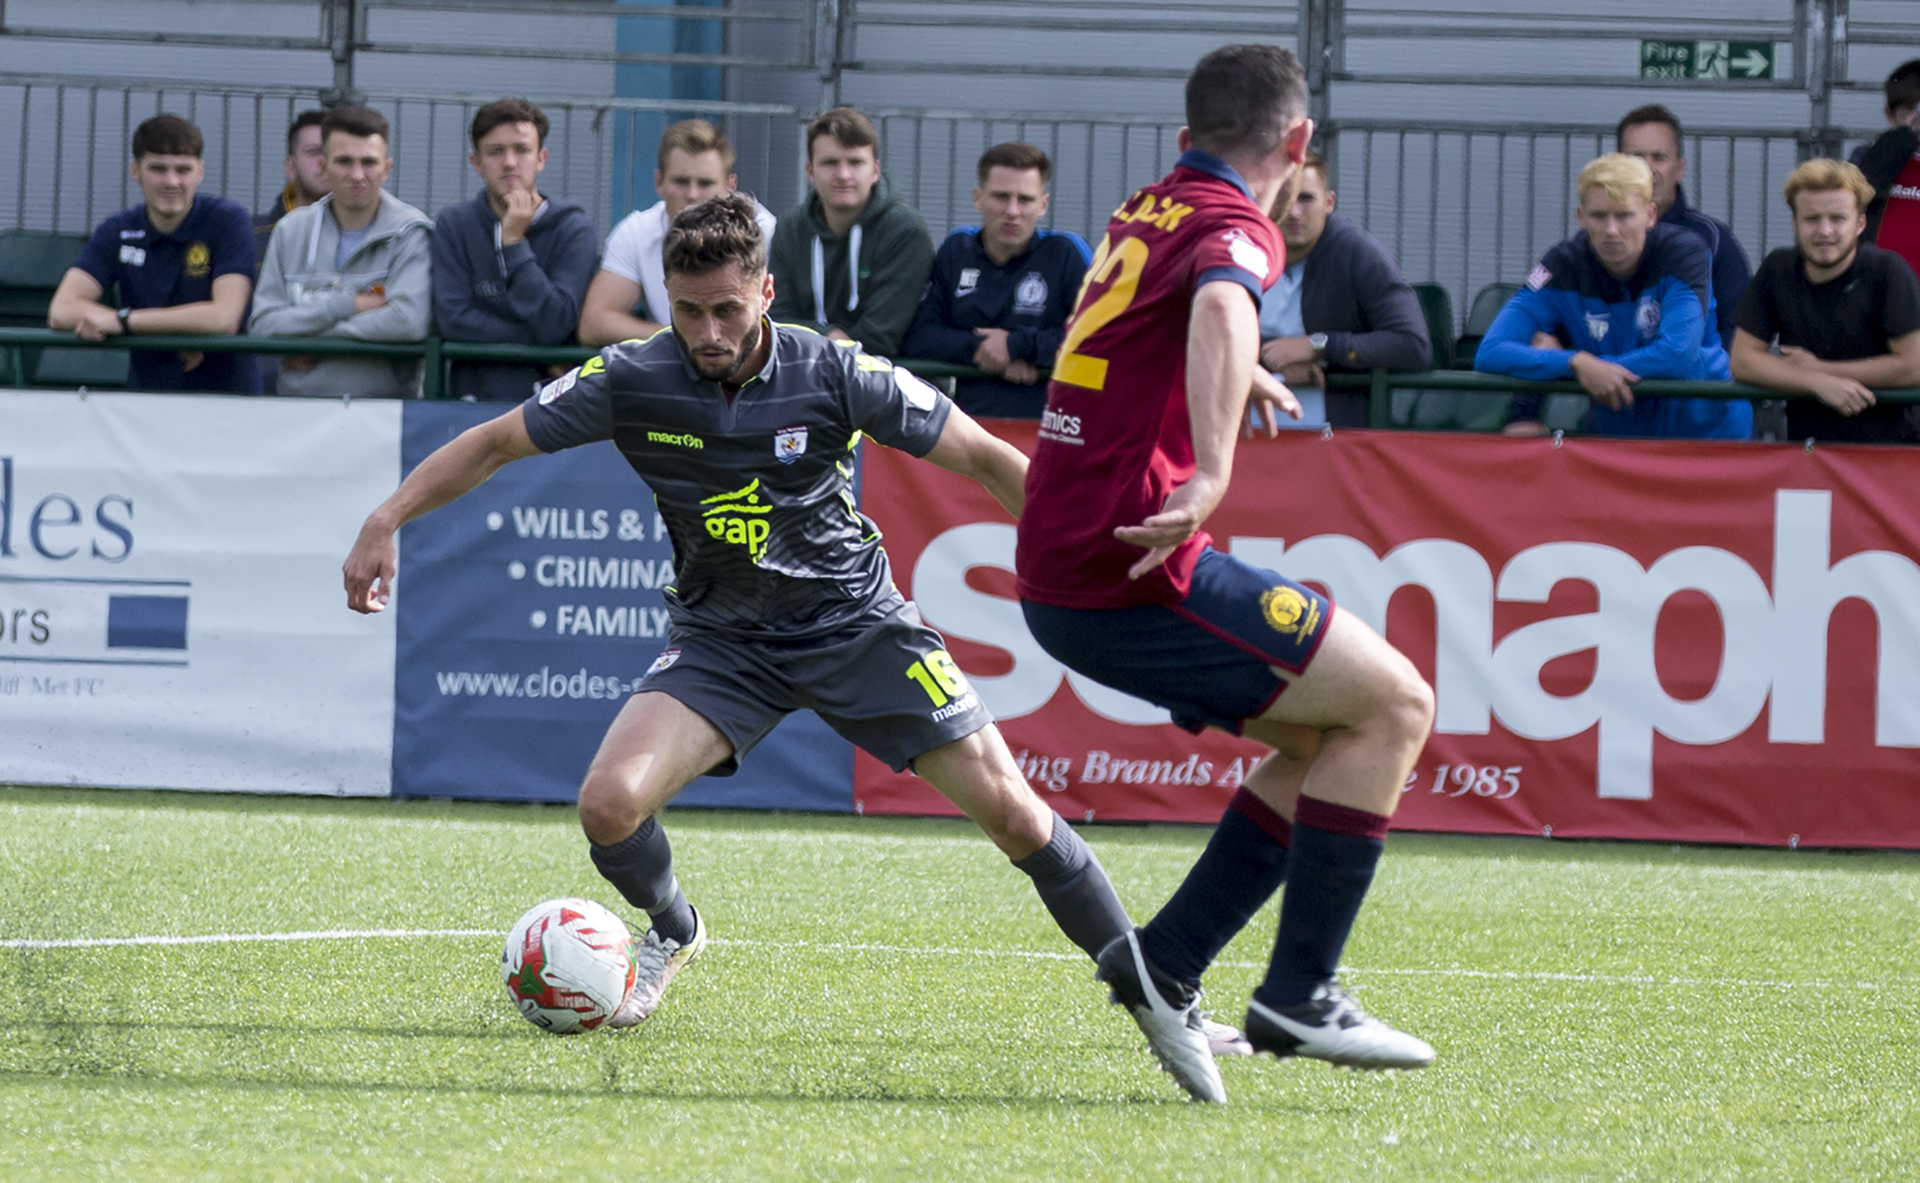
370	568
1265	402
1179	517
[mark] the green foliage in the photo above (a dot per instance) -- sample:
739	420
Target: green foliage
885	999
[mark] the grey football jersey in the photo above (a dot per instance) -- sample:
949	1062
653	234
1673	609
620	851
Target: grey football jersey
756	492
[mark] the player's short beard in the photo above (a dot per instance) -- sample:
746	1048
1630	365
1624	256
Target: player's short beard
730	376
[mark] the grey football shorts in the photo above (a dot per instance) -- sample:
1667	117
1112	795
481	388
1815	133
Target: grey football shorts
884	683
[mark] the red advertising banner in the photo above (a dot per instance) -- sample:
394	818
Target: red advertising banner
1655	639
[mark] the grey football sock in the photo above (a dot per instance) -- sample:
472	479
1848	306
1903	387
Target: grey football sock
1075	888
640	867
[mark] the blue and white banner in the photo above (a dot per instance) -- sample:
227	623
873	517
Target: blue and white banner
171	611
528	611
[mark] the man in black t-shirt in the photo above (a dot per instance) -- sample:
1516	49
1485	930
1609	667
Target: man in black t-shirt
782	597
1832	316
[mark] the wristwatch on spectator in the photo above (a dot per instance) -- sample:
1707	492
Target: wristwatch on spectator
124	313
1317	341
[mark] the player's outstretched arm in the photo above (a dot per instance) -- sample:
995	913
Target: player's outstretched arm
458	466
969	449
1223	350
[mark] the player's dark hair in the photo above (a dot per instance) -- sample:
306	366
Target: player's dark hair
848	126
1240	99
1903	86
716	233
311	117
1018	156
1651	113
512	109
167	135
356	121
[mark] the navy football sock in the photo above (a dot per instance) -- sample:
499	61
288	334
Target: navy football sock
1335	851
1244	863
640	867
1075	888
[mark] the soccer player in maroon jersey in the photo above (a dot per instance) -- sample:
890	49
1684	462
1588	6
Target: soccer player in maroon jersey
1118	580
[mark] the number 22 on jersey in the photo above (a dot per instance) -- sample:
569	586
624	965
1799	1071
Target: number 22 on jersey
1119	268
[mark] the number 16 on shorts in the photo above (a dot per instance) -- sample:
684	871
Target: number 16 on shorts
937	674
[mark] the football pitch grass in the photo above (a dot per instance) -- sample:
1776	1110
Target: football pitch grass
886	999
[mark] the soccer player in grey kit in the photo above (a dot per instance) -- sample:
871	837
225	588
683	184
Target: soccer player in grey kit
783	598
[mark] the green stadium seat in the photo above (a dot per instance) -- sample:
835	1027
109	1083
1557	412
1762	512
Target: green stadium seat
1437	306
1487	304
32	263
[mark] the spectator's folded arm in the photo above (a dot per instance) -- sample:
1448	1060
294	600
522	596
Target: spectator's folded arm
409	286
1506	348
549	304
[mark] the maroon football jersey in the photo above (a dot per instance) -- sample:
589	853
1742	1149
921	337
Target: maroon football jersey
1116	439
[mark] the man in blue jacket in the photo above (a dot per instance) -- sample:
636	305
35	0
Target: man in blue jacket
1625	299
1653	134
1000	292
512	265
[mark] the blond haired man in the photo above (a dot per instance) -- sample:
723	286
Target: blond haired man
627	300
1624	299
1832	316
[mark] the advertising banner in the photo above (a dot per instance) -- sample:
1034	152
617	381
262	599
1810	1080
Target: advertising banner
1645	639
529	610
171	612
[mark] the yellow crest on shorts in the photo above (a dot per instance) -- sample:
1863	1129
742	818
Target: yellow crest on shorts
199	260
1288	611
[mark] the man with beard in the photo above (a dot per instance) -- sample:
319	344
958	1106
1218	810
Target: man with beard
783	597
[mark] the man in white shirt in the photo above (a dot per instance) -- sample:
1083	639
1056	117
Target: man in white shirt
627	299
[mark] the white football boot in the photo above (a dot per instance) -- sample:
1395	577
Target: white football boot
1331	1026
1173	1029
657	960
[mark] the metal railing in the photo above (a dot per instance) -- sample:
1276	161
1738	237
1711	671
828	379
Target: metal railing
436	352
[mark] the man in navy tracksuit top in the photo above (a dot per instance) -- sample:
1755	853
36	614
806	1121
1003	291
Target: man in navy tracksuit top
1000	294
511	266
1624	299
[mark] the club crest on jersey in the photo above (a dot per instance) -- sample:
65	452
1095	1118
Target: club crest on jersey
789	444
1031	296
559	386
199	261
1246	253
667	657
1539	277
1646	318
969	280
1597	326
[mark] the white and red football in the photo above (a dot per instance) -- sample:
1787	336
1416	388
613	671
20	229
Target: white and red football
568	965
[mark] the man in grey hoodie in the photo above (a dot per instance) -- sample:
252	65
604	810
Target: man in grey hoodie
852	259
353	264
511	265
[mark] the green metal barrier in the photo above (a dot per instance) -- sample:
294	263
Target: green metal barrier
1379	384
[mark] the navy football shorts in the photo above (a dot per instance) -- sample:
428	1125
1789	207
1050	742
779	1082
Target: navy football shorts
884	683
1208	659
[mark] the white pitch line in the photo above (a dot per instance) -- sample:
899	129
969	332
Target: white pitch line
242	938
233	938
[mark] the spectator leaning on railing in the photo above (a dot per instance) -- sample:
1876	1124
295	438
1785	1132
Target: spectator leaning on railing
352	265
852	259
627	300
1341	303
182	262
511	265
1841	316
1624	299
1000	292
